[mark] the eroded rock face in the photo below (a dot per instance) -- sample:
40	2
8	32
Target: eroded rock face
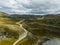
44	40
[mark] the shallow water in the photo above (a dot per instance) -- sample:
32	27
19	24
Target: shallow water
54	41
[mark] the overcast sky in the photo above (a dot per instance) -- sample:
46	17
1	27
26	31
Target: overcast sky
30	6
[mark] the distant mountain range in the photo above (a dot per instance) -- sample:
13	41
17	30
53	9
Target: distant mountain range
27	15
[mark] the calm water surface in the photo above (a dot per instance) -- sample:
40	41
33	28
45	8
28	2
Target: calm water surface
54	41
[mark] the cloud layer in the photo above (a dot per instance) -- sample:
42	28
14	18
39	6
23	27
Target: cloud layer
30	6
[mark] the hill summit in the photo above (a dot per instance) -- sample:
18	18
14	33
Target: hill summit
3	14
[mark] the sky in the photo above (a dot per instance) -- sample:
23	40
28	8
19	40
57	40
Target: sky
30	6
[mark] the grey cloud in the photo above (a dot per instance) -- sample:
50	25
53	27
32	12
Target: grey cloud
31	6
44	6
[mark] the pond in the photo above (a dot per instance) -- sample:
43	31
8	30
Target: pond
54	41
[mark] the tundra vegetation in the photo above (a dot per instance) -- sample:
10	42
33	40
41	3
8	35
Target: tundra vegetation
38	26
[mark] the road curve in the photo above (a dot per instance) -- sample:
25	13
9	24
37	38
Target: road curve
21	36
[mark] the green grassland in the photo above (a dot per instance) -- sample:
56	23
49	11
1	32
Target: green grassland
8	42
25	42
9	30
29	40
48	26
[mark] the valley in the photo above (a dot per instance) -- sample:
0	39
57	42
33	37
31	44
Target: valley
18	29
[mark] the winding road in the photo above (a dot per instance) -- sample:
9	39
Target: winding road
21	36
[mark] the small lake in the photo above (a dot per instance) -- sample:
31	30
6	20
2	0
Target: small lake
54	41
